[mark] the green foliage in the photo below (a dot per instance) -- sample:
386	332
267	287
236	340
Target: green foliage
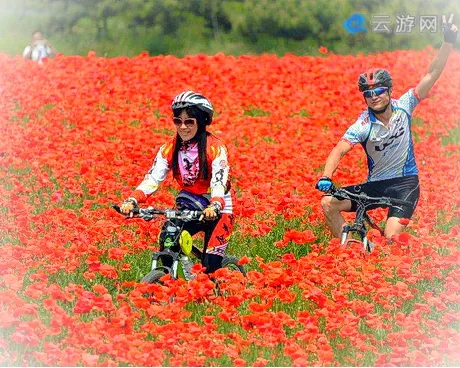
237	27
298	20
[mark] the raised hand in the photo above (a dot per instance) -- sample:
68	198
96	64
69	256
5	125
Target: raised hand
449	29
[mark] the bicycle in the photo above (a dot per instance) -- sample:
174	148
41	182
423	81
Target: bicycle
178	245
363	222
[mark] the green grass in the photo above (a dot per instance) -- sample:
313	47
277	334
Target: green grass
443	224
303	113
164	131
453	137
241	245
255	111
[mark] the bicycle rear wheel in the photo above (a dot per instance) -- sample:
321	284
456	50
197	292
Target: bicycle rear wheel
231	262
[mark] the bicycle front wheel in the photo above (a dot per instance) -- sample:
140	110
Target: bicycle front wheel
153	276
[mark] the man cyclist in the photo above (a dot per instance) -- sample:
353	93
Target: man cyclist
384	131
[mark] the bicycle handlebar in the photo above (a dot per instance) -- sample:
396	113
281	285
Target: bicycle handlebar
342	193
150	213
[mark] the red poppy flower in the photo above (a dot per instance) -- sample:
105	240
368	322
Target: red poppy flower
73	143
244	260
404	221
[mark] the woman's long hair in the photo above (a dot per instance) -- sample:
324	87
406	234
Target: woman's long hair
200	137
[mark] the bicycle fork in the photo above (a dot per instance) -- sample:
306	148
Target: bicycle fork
367	246
359	228
172	257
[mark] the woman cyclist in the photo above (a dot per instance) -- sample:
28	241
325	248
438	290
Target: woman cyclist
199	163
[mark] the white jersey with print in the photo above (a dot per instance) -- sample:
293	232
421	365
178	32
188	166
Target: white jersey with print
37	52
389	151
189	167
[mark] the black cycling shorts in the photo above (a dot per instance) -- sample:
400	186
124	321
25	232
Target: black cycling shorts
406	188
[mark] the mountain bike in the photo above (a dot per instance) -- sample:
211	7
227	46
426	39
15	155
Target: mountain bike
177	245
363	222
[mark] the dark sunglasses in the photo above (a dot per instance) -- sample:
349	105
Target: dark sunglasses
189	122
375	92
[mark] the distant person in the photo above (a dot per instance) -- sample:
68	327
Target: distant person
39	48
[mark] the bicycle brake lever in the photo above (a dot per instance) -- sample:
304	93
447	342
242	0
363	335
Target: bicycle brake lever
189	215
146	214
388	202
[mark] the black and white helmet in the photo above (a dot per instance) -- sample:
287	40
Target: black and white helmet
190	99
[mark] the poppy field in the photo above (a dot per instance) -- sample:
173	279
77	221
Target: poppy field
79	133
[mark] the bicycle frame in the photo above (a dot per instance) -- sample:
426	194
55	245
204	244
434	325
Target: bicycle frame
177	244
173	250
174	227
364	203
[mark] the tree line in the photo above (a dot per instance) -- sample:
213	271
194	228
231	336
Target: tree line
128	27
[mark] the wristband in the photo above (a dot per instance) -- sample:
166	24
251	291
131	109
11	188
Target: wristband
326	179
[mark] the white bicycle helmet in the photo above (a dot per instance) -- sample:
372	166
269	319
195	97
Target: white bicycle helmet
190	99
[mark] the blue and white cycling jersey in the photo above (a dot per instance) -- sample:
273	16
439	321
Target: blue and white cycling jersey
390	151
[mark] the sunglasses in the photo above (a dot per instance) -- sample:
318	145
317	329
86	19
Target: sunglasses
375	92
189	122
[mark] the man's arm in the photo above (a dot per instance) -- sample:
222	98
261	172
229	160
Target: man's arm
335	156
27	53
51	51
440	61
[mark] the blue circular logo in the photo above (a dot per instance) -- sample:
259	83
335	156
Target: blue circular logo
354	23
